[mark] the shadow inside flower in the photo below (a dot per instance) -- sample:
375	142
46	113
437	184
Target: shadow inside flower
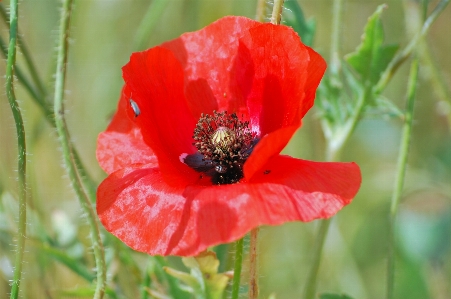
200	98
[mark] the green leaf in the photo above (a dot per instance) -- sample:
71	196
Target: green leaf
334	296
74	265
9	208
294	16
175	289
203	281
383	107
371	57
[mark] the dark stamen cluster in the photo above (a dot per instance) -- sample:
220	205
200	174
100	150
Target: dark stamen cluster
224	142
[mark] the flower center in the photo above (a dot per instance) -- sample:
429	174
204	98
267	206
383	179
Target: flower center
224	143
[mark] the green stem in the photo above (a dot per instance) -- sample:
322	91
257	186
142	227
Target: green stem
88	181
432	74
253	275
42	103
310	288
67	149
22	161
26	55
338	141
260	14
146	282
334	148
277	12
335	37
27	84
237	268
148	23
405	53
335	145
399	182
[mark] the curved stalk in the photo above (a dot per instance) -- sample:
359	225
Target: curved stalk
67	149
26	55
39	98
237	269
22	160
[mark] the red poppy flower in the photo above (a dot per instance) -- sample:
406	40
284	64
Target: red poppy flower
192	152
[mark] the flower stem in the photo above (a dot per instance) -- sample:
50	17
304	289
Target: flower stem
431	72
26	55
260	15
399	182
334	146
39	97
67	148
253	273
22	161
405	53
148	23
310	289
335	37
277	12
237	268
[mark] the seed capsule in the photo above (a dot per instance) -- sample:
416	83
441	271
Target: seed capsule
223	137
135	108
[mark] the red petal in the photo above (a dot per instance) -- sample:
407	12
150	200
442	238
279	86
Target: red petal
208	58
117	150
270	145
316	189
140	209
286	189
278	63
315	71
155	79
148	215
122	143
286	76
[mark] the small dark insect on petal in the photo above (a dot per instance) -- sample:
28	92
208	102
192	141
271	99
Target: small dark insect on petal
135	108
267	171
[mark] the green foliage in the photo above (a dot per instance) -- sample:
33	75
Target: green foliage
203	281
73	264
294	16
372	57
348	95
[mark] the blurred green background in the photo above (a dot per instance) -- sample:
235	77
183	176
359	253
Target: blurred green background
104	34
